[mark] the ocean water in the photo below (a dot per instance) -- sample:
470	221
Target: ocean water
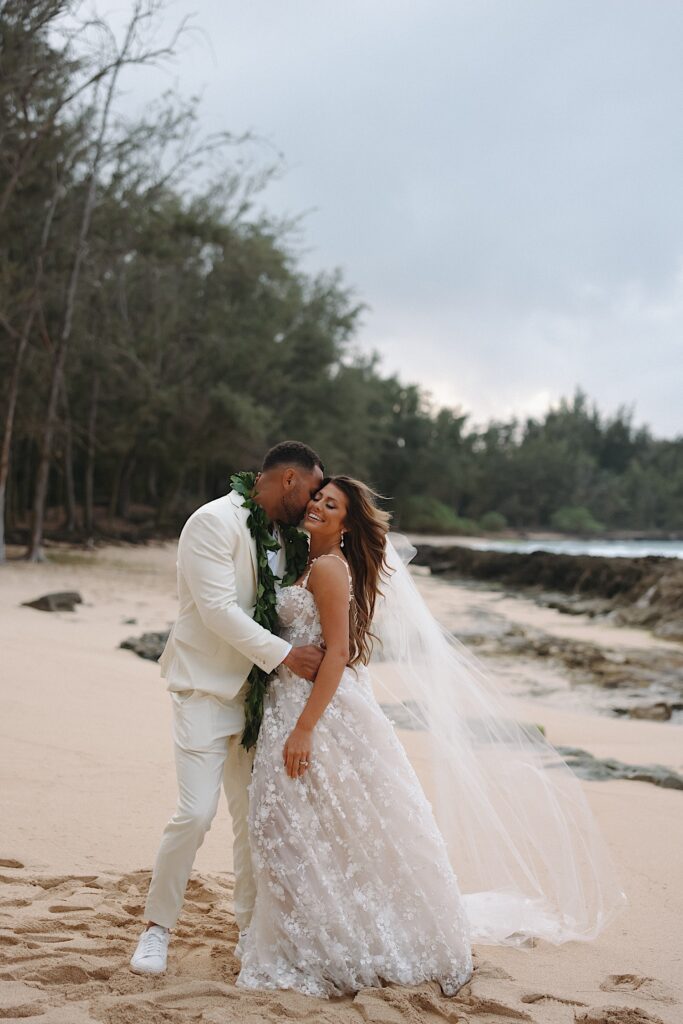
569	546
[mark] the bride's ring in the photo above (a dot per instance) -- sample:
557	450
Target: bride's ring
304	763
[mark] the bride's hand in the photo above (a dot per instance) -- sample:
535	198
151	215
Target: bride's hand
297	752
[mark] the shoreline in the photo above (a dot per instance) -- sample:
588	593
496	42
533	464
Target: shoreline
142	531
550	535
633	666
638	591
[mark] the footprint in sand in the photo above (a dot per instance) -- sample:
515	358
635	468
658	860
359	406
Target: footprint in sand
77	943
618	1015
19	1001
647	988
545	997
60	974
52	881
67	908
20	1012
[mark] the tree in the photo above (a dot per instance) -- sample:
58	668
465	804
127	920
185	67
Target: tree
130	52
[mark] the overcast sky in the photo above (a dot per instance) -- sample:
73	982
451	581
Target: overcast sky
499	180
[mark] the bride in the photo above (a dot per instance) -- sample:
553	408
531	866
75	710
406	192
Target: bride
355	872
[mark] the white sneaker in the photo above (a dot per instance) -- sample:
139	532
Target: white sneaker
152	950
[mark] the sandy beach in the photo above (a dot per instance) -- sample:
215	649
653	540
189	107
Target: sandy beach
88	783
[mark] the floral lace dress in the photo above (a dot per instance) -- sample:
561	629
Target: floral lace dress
354	885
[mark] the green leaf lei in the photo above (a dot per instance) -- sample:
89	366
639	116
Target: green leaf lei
296	558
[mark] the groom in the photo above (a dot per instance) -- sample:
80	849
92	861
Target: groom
207	658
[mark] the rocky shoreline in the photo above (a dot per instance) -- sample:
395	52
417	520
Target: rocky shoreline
642	683
646	592
638	678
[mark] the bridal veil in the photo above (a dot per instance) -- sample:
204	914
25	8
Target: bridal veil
522	840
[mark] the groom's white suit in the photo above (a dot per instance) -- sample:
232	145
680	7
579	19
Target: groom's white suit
210	651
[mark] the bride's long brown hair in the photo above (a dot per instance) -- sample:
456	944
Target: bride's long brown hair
366	528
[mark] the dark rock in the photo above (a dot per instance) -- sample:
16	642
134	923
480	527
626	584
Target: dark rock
571	604
149	645
63	601
659	712
586	766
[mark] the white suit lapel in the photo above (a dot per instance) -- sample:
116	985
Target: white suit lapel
243	513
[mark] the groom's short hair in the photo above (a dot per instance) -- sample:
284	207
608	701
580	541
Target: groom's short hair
292	453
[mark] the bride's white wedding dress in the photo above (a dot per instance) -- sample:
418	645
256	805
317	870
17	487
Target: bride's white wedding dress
354	884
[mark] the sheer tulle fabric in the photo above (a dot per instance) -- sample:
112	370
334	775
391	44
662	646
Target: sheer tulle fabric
521	838
354	884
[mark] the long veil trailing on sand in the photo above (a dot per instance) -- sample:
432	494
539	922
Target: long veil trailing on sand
521	838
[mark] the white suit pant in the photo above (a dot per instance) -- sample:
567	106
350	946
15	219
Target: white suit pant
208	755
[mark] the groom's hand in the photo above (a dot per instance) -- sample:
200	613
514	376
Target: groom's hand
305	661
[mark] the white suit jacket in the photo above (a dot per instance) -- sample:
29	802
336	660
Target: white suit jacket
214	641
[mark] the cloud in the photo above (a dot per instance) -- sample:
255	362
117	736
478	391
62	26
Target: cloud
622	345
500	181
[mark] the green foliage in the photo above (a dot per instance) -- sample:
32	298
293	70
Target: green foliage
424	514
575	519
492	522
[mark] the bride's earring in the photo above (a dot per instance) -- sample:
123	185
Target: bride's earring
341	540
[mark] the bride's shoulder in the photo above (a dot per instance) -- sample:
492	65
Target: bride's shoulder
330	571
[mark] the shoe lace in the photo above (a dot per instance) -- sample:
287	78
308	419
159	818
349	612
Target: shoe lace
153	943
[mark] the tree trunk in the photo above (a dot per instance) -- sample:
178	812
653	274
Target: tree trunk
123	502
69	487
177	492
22	343
9	424
114	496
35	552
89	496
12	497
152	485
169	496
27	465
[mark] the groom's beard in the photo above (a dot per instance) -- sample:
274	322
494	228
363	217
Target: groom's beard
292	512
